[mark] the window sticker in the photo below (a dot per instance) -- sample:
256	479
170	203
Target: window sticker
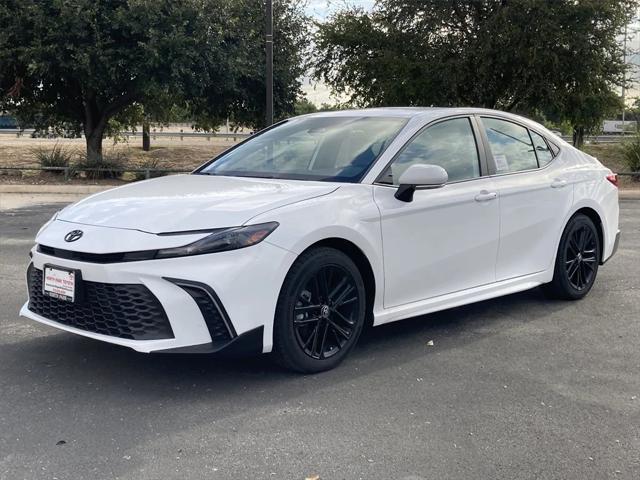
501	162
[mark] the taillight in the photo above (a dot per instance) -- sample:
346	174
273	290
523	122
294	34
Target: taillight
613	178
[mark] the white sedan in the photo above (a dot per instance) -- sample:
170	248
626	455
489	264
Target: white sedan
296	238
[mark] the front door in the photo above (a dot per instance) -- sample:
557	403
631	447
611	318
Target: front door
446	239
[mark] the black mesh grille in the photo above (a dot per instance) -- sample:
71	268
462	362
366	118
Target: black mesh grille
212	315
119	310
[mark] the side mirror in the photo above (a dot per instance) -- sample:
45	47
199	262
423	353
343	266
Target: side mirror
420	177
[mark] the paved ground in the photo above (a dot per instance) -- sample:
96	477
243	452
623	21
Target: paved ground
514	388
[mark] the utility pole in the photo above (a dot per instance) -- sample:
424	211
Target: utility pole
269	65
624	81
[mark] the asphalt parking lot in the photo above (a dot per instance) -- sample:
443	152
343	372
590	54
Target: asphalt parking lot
514	388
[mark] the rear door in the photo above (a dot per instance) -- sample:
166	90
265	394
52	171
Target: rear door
446	239
534	195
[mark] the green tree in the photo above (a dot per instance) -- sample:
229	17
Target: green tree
89	65
558	57
304	106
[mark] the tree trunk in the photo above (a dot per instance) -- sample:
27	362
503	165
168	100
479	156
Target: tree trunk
94	146
146	136
578	136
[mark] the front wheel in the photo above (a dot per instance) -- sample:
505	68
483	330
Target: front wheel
577	260
320	312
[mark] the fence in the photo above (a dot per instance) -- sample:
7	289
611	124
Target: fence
208	135
70	170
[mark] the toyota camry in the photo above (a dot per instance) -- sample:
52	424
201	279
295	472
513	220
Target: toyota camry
293	240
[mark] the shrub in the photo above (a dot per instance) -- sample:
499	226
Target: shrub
57	157
111	166
151	164
631	155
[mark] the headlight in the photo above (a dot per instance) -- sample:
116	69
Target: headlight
222	240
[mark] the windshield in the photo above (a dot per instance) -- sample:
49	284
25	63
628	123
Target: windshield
332	149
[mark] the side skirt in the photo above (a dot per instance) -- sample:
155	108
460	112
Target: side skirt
463	297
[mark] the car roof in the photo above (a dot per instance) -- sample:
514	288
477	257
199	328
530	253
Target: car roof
410	112
427	114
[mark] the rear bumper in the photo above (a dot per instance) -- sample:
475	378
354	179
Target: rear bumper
616	242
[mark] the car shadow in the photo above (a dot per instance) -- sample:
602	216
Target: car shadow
81	360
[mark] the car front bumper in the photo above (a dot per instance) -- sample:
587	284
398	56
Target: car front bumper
242	284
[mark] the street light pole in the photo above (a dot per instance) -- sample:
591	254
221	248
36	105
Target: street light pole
269	65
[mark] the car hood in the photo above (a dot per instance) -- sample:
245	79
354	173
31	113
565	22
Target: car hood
190	202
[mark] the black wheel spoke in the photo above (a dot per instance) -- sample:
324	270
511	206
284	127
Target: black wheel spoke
324	340
338	287
324	286
314	335
337	328
346	302
316	332
306	321
347	290
306	308
343	318
574	268
573	246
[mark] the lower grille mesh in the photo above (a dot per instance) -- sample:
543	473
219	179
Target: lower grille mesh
128	311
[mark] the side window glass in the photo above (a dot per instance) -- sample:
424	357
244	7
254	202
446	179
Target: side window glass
449	144
542	149
510	145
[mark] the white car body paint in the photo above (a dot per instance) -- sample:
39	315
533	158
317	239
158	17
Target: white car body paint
444	249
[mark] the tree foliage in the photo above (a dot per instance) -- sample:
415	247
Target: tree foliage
559	57
81	63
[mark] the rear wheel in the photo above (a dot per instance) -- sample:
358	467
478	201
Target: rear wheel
577	260
320	311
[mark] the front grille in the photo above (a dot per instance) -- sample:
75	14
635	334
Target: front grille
215	317
117	257
128	311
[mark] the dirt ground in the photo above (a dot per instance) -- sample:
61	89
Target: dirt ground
173	153
170	153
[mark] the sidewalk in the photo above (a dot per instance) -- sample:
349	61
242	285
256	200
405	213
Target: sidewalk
18	196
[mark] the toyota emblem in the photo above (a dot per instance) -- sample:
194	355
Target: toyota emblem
73	235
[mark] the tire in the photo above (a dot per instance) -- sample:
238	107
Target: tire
577	260
316	326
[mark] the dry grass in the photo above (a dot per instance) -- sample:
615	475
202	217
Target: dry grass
170	153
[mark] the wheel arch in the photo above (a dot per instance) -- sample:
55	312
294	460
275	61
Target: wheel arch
361	260
597	221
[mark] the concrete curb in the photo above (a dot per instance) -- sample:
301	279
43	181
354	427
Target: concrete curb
629	194
59	189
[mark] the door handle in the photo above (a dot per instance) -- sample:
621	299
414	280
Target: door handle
558	183
485	196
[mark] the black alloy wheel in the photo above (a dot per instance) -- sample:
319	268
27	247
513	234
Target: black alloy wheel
324	316
581	262
577	260
320	312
